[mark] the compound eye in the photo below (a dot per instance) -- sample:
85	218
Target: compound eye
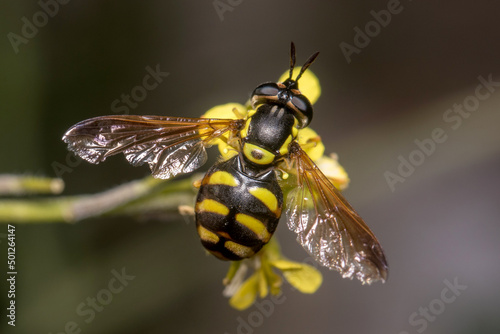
302	110
299	103
267	89
265	93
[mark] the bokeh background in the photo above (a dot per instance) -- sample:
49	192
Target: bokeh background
440	224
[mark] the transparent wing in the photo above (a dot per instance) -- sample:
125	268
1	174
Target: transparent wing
170	145
328	227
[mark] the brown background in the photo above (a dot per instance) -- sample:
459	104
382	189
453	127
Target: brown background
442	223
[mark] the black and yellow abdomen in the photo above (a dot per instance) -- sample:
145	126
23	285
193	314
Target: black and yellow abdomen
236	214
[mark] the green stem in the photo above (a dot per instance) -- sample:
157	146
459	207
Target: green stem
135	197
26	184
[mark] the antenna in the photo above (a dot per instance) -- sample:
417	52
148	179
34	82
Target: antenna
307	64
292	59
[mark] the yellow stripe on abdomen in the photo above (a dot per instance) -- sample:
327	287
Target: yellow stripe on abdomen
239	250
267	198
207	236
254	225
225	178
210	205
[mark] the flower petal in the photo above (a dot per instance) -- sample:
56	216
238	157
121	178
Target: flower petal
263	284
307	279
246	295
333	171
224	111
286	265
311	142
231	273
273	280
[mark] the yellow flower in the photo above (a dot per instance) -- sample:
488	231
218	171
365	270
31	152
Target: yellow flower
243	293
225	111
333	171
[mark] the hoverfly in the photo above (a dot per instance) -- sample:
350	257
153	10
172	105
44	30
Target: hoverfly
240	200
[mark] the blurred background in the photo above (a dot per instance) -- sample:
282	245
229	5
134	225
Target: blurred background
438	221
